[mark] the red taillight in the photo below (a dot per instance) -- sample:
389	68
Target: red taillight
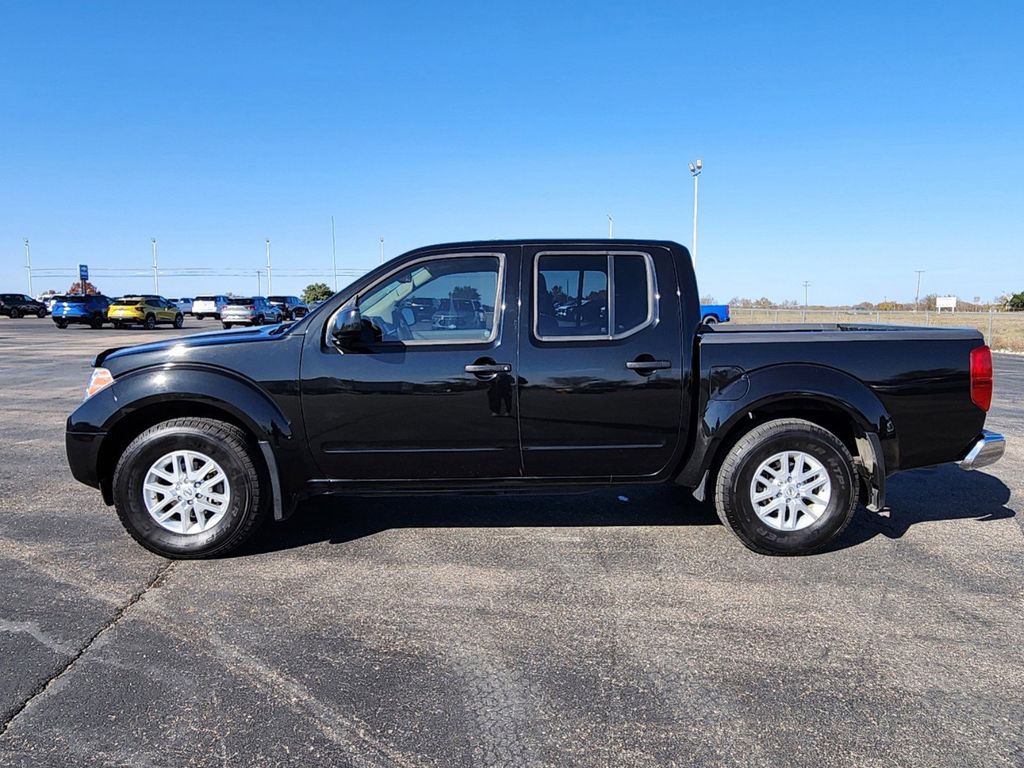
981	377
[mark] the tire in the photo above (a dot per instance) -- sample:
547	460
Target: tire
227	326
199	317
259	320
179	321
118	325
767	533
150	322
41	313
15	313
224	444
710	320
96	322
62	324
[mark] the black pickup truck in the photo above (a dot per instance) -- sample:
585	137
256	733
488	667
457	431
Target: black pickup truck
586	365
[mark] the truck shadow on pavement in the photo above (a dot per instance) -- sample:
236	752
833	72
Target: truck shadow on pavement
930	495
920	496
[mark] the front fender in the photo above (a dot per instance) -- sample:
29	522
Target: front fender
722	408
165	384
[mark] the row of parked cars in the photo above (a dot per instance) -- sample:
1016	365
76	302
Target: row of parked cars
150	310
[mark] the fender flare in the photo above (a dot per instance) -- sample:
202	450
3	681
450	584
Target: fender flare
722	409
224	390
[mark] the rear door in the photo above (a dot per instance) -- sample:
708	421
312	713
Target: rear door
600	367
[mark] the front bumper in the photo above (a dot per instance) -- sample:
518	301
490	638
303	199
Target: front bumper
987	449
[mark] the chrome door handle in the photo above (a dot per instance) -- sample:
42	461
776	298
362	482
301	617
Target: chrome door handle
489	368
648	365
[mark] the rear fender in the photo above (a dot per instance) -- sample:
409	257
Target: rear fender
723	408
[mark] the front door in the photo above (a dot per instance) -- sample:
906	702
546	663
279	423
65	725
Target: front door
432	394
601	368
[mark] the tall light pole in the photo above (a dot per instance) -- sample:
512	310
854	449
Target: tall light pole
156	277
807	284
382	249
259	284
695	169
270	284
334	255
917	295
611	227
28	267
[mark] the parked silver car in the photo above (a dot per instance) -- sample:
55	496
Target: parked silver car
253	310
184	304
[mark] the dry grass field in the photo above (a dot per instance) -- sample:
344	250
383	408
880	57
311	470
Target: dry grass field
1004	331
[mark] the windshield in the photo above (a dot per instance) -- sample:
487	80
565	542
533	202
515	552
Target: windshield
206	298
127	301
76	299
241	301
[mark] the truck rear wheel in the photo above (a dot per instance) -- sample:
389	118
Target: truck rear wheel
787	487
189	488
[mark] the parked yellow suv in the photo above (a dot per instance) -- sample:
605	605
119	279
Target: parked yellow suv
146	311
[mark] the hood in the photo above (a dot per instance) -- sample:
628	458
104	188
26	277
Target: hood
182	348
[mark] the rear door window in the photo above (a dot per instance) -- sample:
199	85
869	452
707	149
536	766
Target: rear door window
592	296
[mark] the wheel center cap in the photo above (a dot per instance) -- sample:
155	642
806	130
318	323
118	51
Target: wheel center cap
188	492
790	490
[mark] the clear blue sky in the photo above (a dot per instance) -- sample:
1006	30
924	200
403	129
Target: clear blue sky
845	144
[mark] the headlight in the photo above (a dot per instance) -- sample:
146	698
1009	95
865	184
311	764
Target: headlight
101	379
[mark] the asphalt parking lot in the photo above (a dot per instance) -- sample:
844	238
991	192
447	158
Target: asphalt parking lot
618	628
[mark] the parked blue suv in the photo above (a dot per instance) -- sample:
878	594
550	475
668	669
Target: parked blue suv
85	310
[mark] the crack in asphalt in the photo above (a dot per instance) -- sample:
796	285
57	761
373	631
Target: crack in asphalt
118	615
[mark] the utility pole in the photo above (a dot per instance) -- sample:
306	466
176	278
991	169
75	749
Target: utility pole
270	284
917	296
807	284
695	169
334	255
28	267
156	275
611	227
382	249
259	284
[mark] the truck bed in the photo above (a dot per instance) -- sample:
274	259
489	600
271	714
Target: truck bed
920	375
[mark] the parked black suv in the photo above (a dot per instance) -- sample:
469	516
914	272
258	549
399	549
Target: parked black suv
292	307
16	305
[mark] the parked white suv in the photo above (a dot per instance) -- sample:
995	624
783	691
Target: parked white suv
209	306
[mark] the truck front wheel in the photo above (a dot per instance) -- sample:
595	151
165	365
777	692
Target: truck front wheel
787	487
190	488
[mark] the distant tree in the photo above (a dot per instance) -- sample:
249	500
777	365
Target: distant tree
316	292
90	289
1016	302
466	292
707	299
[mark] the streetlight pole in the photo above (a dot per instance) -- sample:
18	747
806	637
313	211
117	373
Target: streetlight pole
28	267
695	169
807	284
917	295
611	227
334	255
382	249
259	284
270	284
156	277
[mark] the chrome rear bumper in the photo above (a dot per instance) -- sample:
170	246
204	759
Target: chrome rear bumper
988	449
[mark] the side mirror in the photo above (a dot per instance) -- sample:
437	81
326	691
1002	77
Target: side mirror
348	326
